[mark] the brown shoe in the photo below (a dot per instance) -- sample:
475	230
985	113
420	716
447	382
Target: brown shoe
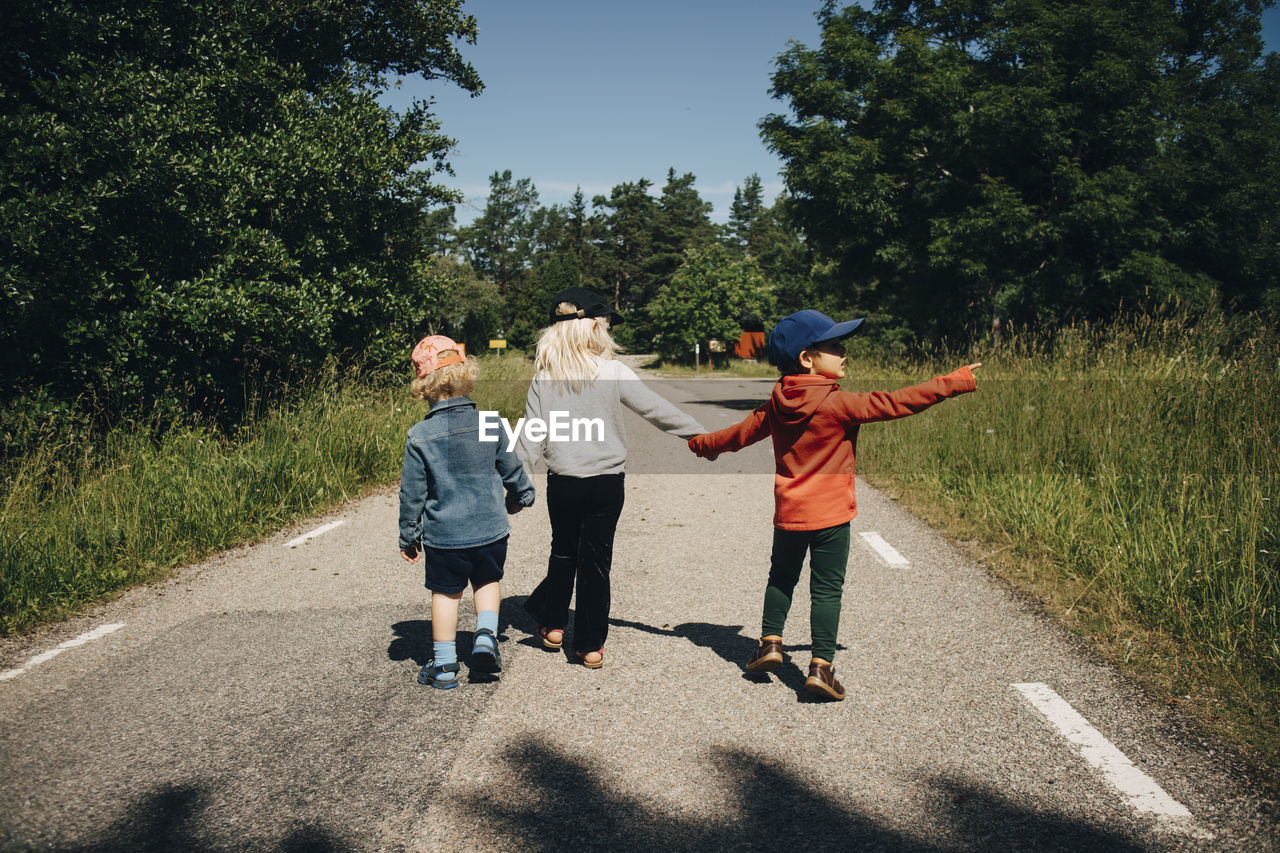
822	680
767	657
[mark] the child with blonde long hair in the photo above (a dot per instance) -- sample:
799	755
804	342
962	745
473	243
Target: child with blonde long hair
452	507
577	376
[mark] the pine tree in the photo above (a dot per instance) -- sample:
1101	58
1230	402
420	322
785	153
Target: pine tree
500	239
626	220
745	214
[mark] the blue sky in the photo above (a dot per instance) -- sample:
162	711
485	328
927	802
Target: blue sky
597	93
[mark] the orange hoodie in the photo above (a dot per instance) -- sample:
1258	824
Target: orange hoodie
815	433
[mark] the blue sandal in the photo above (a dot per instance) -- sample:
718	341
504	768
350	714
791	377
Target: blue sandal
484	660
431	675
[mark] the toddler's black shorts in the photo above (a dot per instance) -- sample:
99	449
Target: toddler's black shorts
449	569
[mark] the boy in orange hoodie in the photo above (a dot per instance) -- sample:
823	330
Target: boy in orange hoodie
814	426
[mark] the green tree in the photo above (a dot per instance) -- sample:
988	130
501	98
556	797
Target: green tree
500	240
745	214
1221	173
681	221
625	222
583	230
778	247
529	310
203	196
438	231
549	232
955	159
712	289
469	309
577	225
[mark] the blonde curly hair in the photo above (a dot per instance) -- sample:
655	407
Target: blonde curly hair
454	380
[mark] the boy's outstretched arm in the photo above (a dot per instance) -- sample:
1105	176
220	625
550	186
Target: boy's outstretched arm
749	430
888	405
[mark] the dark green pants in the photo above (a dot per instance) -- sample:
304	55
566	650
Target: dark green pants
829	555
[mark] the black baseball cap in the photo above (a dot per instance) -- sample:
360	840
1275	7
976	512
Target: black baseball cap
588	301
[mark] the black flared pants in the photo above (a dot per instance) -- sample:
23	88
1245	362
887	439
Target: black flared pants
584	516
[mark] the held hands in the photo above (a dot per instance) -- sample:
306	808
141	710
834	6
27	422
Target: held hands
513	504
710	457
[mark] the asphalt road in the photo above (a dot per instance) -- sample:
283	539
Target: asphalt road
267	700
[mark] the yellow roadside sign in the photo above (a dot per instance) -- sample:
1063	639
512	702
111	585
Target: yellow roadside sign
498	343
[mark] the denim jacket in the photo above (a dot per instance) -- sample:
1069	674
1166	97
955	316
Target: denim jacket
451	488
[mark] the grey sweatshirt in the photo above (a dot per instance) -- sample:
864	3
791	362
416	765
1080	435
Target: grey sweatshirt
599	447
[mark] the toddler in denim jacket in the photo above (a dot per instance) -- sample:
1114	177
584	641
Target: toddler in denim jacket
452	508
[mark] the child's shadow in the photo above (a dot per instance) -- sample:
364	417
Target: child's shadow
730	643
413	642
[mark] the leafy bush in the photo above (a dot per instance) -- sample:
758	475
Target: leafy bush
204	199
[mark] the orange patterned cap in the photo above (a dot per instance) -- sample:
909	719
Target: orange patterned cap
426	355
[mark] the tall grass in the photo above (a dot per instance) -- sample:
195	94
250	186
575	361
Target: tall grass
1139	464
85	515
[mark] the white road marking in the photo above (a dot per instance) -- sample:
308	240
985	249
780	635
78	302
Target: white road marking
96	633
886	551
1141	791
324	528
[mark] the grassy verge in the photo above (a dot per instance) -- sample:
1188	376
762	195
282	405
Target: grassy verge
1127	478
88	515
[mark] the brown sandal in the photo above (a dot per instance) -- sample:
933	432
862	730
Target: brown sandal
547	642
592	664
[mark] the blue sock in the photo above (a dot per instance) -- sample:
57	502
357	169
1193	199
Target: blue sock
486	619
446	651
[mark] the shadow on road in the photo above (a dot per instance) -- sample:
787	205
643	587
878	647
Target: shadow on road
737	405
172	818
727	641
567	804
730	643
553	801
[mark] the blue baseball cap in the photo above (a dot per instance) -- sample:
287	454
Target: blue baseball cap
801	330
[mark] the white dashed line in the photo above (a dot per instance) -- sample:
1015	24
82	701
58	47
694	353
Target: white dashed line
86	637
1139	789
324	528
886	551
